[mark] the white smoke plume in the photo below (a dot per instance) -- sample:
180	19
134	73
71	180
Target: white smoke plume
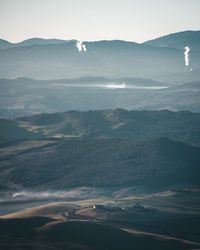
84	47
186	53
80	46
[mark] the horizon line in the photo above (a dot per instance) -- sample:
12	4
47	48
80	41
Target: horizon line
116	39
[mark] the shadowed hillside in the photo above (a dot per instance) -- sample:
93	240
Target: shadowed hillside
155	163
42	233
181	126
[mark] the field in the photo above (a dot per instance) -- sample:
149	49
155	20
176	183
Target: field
164	219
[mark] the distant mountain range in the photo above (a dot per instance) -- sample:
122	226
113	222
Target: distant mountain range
52	58
175	40
31	42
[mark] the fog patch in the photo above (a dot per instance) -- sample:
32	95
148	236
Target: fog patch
77	193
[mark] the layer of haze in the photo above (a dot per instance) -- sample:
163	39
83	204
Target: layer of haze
133	20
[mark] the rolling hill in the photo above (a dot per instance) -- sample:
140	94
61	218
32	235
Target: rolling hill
4	44
105	58
161	58
11	131
30	42
178	40
42	233
154	163
63	60
182	126
25	97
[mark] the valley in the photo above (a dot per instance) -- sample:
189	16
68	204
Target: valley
23	96
100	144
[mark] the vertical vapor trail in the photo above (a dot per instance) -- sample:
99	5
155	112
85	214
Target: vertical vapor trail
186	53
80	46
84	47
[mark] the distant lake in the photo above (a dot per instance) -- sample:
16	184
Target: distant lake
110	86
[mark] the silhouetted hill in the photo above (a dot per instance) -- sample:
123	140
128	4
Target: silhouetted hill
178	40
4	44
39	41
42	233
100	79
31	42
158	162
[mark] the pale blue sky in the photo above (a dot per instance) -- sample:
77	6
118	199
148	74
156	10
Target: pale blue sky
133	20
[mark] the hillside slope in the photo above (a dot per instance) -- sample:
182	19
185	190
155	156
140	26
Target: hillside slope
182	126
42	233
25	97
178	40
155	163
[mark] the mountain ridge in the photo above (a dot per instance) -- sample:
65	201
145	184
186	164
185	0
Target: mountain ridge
40	40
32	42
177	40
117	123
50	59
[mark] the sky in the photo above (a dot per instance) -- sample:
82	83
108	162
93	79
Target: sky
91	20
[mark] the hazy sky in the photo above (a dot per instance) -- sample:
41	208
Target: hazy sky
133	20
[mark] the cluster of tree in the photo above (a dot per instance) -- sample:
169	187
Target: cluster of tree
118	123
107	162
